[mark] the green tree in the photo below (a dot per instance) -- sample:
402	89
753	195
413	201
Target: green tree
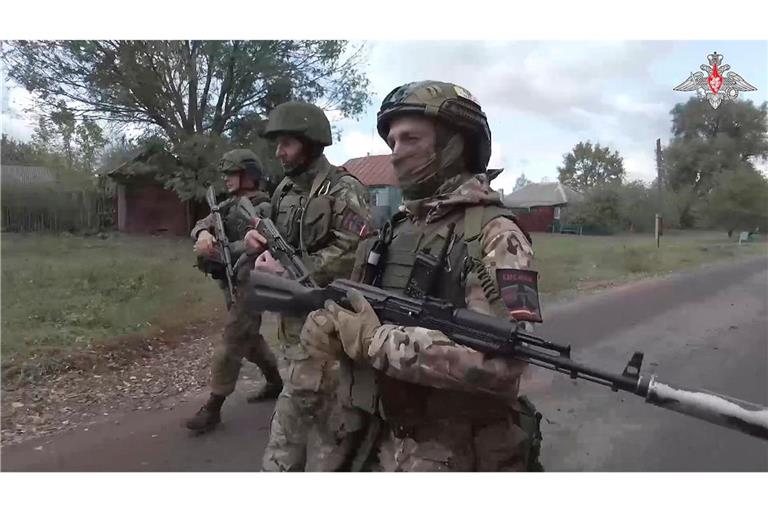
89	138
708	141
738	201
587	166
188	90
601	210
18	152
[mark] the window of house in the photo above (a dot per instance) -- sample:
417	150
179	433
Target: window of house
557	213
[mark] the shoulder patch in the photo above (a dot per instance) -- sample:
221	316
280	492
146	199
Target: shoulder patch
519	290
354	223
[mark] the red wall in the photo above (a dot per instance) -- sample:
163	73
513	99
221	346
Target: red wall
149	208
540	218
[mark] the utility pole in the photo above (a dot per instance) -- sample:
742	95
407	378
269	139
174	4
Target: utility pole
659	180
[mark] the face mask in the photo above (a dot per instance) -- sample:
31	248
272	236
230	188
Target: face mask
420	174
416	172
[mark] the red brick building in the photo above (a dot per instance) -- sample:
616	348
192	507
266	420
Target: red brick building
376	173
144	206
542	206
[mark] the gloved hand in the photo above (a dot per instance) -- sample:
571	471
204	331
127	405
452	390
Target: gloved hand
330	330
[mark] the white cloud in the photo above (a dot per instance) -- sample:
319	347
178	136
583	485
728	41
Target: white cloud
640	166
16	122
498	159
355	144
334	116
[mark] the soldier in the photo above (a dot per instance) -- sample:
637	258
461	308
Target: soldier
435	405
247	184
323	211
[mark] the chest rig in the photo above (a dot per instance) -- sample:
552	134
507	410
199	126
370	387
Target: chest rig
304	218
438	260
238	214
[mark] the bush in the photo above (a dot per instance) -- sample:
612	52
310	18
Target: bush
738	202
600	212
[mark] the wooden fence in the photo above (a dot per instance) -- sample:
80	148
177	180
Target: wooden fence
35	208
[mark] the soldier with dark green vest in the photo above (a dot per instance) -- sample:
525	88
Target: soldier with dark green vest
322	211
430	403
249	185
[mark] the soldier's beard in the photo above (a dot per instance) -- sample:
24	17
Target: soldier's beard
310	153
421	173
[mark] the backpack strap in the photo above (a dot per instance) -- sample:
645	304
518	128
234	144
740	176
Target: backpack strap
278	194
473	228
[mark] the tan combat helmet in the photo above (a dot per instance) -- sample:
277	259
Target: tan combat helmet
446	102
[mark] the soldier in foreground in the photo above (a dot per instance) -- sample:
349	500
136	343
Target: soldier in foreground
322	211
247	184
432	404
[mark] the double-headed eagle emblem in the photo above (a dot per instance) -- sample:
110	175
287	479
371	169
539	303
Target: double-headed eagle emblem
714	86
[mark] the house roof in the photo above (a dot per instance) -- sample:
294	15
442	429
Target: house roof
26	175
542	194
377	171
373	171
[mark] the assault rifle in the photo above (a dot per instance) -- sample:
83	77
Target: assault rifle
502	338
284	253
222	241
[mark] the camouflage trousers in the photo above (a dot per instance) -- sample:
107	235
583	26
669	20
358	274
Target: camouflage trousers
455	445
241	339
309	431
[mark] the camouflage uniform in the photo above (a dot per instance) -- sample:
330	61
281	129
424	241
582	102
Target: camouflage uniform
242	337
432	404
323	211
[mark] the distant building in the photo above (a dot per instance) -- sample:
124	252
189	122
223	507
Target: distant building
376	173
145	206
542	206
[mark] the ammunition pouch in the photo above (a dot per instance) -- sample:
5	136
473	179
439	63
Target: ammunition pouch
530	421
316	223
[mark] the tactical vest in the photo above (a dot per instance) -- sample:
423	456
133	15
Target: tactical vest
305	218
236	214
404	405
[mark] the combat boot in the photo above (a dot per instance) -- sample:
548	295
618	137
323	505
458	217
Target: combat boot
208	416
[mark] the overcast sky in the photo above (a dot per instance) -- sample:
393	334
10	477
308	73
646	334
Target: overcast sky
541	98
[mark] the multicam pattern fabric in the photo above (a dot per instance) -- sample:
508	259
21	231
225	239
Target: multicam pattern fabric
309	430
415	355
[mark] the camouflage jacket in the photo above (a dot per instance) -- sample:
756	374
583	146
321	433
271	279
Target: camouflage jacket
237	215
429	358
324	212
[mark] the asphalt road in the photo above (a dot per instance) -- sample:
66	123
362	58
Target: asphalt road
703	329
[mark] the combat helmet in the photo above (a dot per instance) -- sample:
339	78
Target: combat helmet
446	102
300	119
237	160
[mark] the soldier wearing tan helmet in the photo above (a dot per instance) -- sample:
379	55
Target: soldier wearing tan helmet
323	211
248	186
431	404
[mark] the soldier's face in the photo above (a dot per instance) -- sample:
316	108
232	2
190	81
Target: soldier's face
232	182
411	135
289	151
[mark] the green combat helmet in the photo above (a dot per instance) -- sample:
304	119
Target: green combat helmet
300	119
238	160
446	102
